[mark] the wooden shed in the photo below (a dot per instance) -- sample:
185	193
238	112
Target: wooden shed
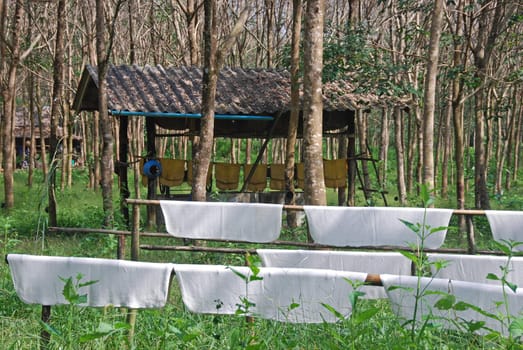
250	103
247	100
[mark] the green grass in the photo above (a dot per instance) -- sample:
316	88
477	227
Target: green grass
22	231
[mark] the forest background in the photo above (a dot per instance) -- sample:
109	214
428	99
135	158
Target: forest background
456	63
469	127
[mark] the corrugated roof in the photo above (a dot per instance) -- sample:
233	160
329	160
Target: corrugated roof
239	91
178	90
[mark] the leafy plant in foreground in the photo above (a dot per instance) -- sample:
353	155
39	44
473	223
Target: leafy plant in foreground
514	324
357	317
71	293
421	263
448	301
245	305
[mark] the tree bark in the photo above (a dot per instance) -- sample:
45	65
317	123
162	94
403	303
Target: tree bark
107	167
384	146
9	67
58	76
400	159
429	100
457	115
315	193
446	143
213	60
210	77
492	20
290	153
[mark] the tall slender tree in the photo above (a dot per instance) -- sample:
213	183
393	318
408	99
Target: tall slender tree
11	56
210	76
213	60
315	192
107	137
56	110
429	100
491	22
290	198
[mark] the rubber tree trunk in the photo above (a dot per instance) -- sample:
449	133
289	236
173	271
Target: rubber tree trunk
315	193
429	99
58	76
290	156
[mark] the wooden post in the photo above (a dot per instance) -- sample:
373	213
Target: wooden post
351	158
152	183
121	247
135	234
44	334
122	166
135	256
262	151
470	235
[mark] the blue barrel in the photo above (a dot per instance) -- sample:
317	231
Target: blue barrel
152	169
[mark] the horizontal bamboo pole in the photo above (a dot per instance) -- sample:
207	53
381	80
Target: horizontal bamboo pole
133	201
188	248
106	231
373	279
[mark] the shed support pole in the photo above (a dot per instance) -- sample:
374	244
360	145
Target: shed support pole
150	126
351	157
262	150
122	168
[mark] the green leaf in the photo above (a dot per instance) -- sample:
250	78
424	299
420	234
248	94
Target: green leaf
87	283
354	296
446	302
68	291
255	269
491	276
475	325
122	326
516	327
365	315
238	273
505	246
440	264
413	227
50	329
461	306
425	194
438	229
333	311
293	306
512	286
81	299
411	256
493	336
190	336
91	336
391	288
